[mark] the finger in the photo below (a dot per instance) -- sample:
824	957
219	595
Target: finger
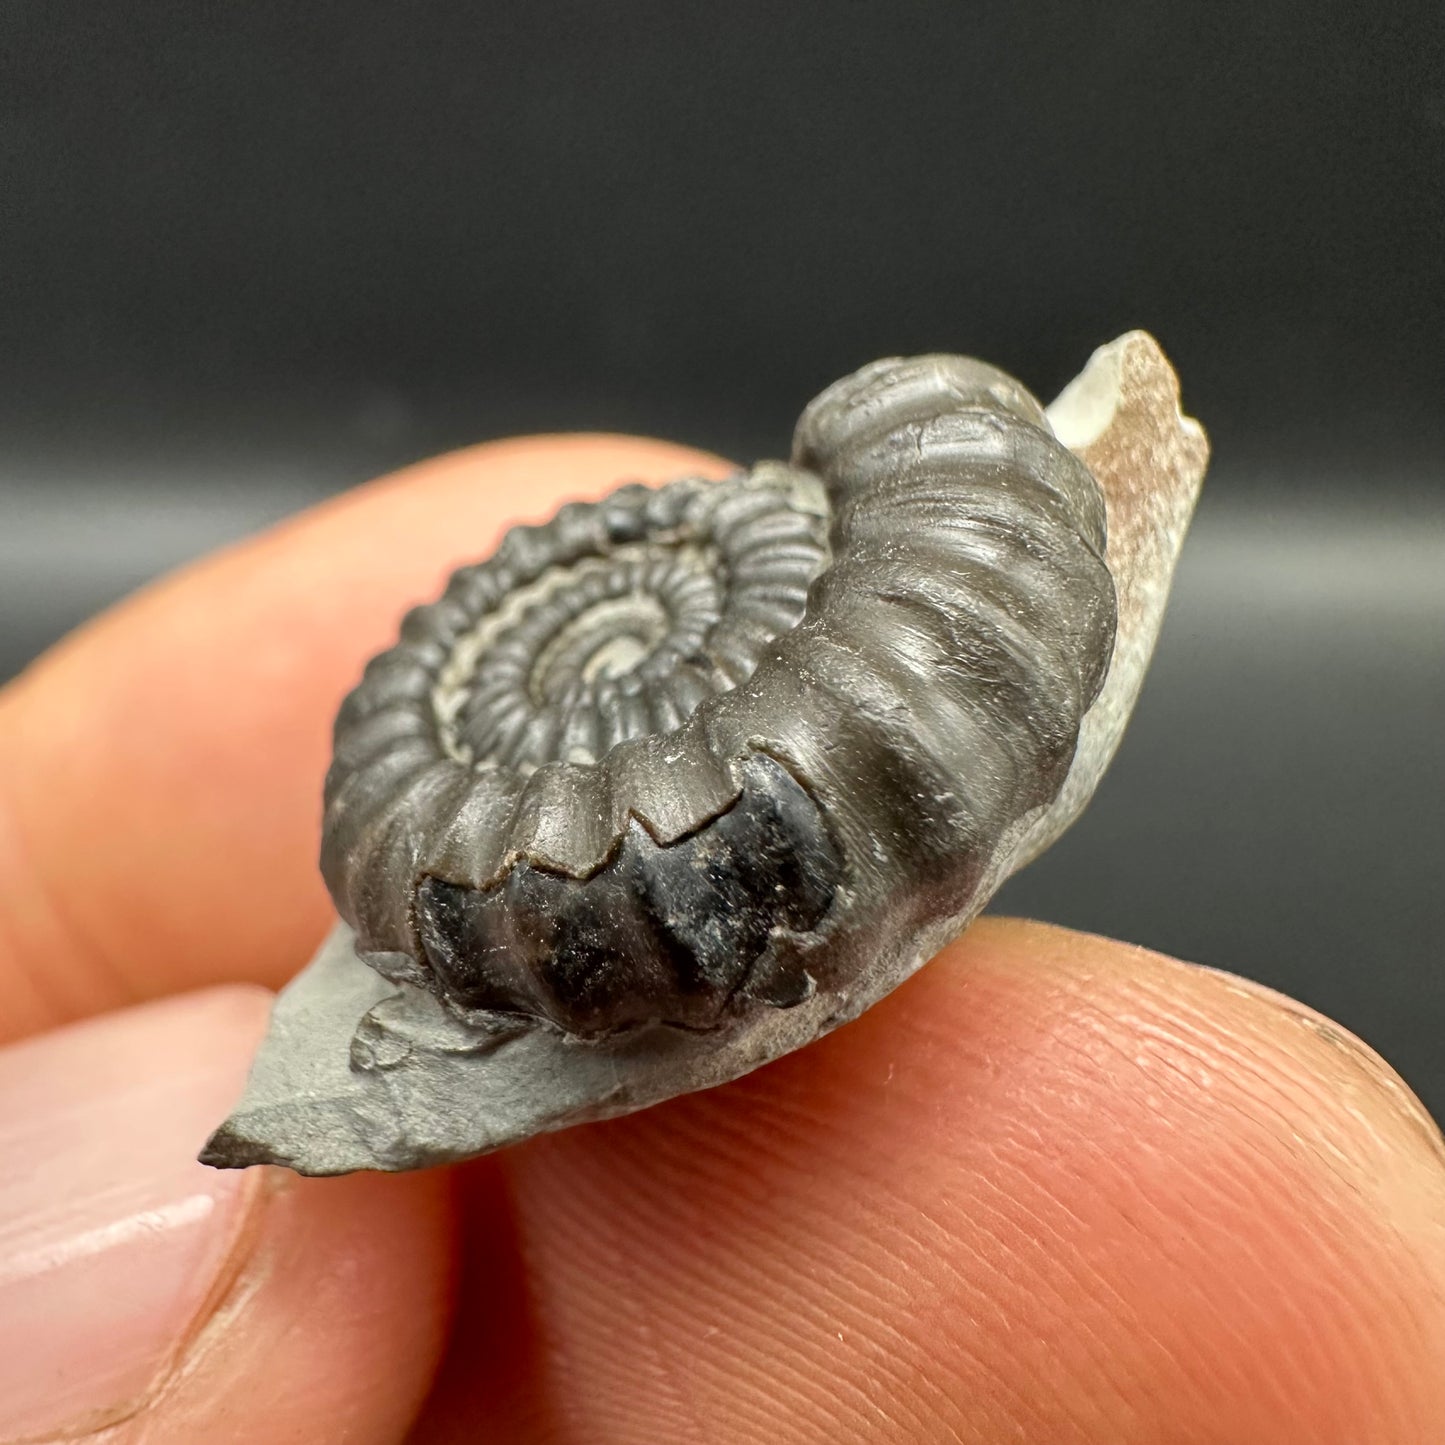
143	1294
1055	1189
160	772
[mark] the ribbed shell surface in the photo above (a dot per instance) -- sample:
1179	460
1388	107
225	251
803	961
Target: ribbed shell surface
690	752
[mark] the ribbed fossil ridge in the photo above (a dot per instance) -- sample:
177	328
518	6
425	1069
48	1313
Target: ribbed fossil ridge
686	753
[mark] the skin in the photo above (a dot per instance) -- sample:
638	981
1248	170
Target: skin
1055	1189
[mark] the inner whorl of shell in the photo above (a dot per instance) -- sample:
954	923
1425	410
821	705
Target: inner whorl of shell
645	606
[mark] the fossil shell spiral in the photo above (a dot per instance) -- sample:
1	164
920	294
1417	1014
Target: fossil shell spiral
684	779
686	754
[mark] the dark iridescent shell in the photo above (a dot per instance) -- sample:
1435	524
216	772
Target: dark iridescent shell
681	754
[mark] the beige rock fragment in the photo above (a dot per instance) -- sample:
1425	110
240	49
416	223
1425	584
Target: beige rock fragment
1121	416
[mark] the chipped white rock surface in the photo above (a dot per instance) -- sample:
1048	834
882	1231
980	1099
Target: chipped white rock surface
358	1072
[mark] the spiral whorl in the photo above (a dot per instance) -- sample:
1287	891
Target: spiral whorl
685	753
620	618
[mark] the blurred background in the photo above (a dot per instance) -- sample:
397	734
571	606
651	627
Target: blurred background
250	255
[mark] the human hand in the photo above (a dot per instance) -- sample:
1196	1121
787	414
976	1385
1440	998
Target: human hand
1054	1190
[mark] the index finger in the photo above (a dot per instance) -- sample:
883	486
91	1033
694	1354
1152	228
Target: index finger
160	770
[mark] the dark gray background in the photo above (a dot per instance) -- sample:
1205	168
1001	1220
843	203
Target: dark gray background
252	254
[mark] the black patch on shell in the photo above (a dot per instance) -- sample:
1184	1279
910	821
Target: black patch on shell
660	934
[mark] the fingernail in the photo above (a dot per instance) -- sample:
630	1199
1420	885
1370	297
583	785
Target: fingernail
114	1242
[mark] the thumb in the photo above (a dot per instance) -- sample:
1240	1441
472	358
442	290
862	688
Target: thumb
148	1297
1055	1189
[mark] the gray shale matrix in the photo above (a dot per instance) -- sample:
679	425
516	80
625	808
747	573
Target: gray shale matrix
687	777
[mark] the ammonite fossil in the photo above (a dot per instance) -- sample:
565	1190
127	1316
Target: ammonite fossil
684	777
